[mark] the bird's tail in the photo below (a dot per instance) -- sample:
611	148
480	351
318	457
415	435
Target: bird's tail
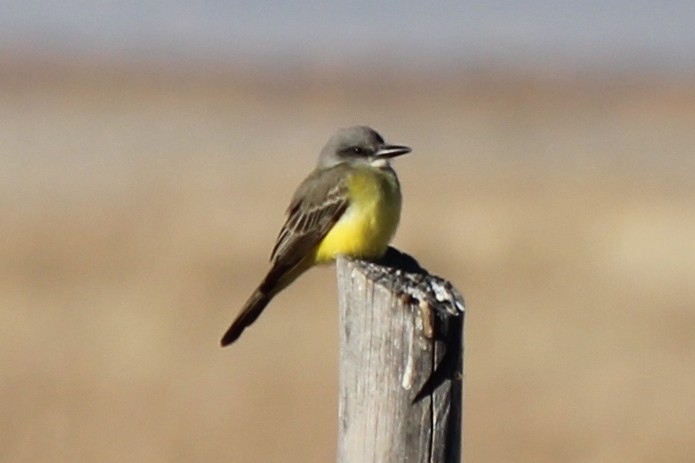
275	281
249	313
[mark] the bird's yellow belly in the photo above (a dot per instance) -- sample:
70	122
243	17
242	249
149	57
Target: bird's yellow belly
368	225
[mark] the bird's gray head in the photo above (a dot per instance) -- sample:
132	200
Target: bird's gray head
359	144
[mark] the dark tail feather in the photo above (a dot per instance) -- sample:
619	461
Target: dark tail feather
252	309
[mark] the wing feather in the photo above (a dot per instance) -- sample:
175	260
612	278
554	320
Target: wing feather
316	206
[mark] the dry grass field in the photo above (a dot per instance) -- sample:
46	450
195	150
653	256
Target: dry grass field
138	210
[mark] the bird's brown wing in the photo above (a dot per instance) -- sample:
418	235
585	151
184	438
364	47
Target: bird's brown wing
316	206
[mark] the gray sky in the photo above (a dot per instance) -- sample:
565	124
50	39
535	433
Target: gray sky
657	36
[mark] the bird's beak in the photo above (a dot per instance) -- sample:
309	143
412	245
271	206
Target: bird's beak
391	151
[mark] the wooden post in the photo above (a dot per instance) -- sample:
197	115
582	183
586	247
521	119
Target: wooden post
401	352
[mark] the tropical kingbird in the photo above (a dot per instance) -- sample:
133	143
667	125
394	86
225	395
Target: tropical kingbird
350	205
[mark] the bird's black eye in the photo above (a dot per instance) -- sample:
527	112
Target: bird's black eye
354	152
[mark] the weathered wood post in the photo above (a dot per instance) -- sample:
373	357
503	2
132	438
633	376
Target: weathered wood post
401	363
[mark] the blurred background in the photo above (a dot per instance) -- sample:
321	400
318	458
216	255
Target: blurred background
147	154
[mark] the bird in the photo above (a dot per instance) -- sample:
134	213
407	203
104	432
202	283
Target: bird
350	204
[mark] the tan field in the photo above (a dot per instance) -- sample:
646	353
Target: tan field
138	211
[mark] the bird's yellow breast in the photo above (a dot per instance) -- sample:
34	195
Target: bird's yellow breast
370	221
